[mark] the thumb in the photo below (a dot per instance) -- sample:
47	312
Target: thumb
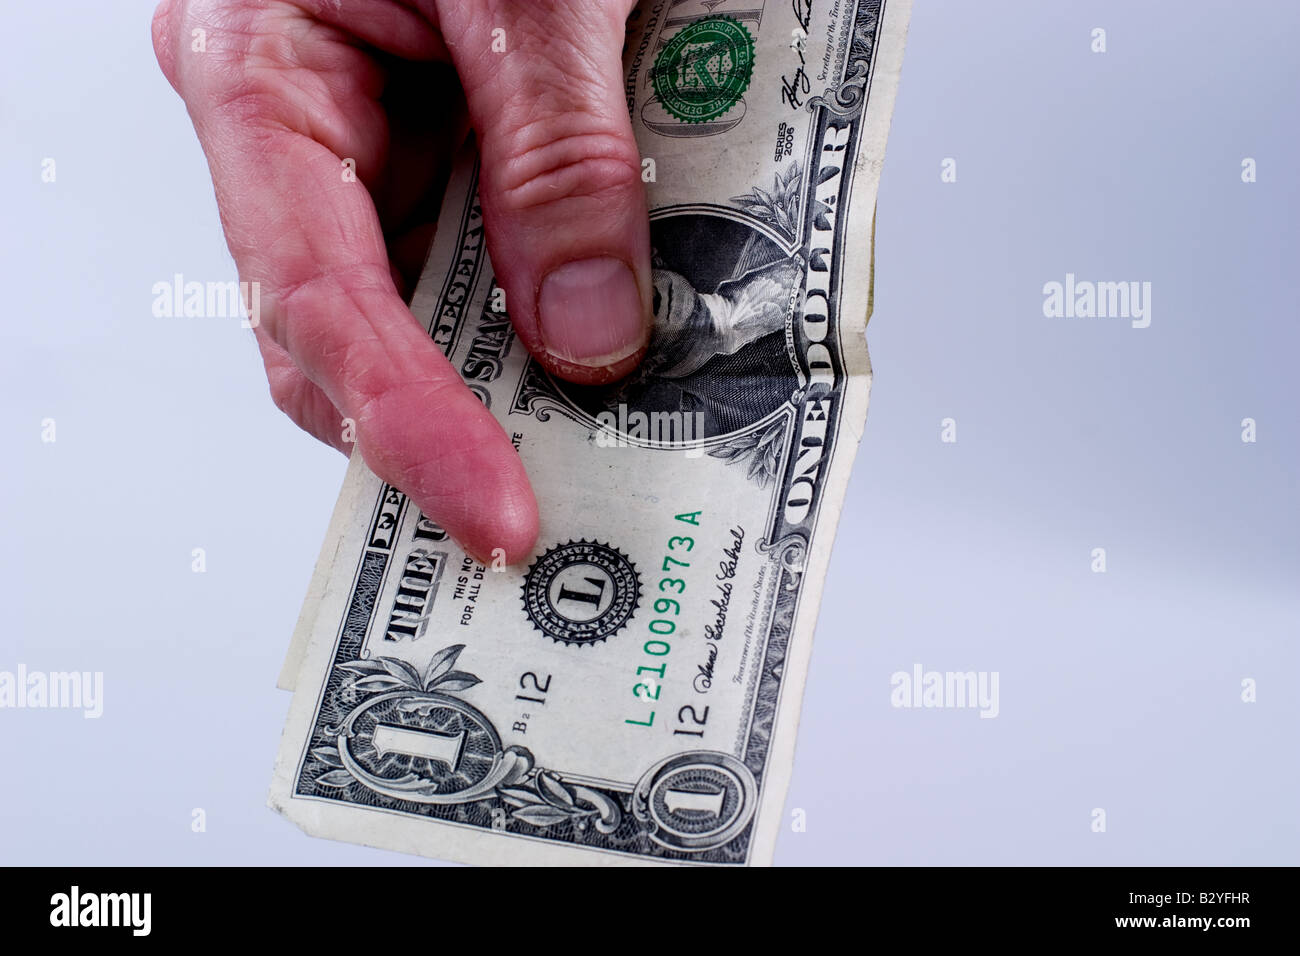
563	204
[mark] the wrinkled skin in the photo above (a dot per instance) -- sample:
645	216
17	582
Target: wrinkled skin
287	90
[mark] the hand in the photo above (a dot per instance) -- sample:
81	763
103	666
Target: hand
286	92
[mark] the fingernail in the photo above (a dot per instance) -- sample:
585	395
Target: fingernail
590	312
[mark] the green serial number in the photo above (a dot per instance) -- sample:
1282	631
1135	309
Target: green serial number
655	646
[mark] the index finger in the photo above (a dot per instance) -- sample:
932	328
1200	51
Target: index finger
313	243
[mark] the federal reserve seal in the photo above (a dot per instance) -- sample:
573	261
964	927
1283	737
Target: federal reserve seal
581	592
704	70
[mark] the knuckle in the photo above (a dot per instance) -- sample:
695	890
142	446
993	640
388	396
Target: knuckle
389	416
240	106
287	386
377	394
233	34
287	314
299	307
562	168
283	391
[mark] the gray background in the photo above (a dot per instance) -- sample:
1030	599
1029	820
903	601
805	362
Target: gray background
1118	690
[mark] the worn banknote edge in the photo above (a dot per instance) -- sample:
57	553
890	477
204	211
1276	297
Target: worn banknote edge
447	843
321	576
350	496
886	70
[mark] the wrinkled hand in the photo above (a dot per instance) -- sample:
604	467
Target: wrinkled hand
286	92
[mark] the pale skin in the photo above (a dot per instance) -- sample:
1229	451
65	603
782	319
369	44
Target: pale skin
288	90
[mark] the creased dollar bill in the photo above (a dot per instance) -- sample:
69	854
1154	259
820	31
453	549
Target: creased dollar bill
631	692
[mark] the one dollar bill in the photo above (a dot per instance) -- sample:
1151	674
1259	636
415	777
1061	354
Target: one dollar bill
631	692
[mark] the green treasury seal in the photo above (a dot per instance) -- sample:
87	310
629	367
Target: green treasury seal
704	70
